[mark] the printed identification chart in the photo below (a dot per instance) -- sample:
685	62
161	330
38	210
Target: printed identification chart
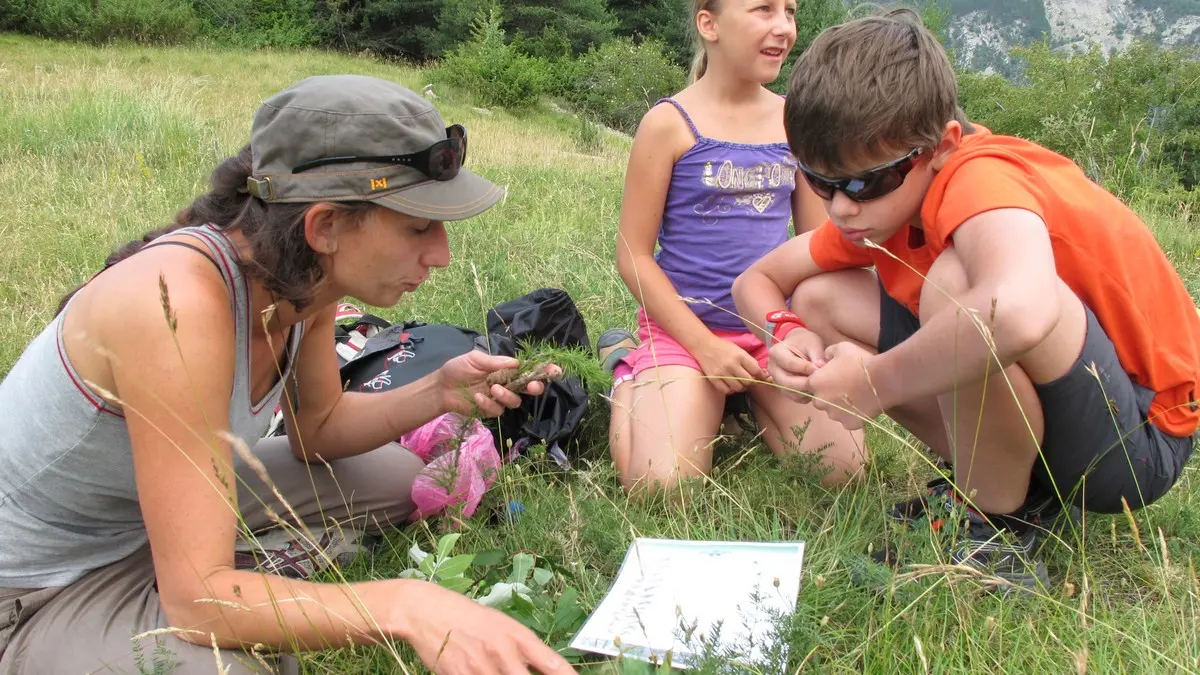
669	594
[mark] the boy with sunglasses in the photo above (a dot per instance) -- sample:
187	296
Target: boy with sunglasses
1020	320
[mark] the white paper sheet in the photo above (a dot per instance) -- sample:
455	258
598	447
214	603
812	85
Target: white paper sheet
664	585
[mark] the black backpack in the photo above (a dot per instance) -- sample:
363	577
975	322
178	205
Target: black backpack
375	355
400	353
547	315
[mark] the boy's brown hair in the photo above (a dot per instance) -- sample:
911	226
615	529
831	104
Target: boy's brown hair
882	83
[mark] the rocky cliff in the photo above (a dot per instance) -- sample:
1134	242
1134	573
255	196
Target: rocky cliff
981	31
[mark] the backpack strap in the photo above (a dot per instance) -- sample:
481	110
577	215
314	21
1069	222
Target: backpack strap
350	339
346	311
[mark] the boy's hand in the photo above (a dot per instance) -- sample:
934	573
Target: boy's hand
728	366
794	359
841	387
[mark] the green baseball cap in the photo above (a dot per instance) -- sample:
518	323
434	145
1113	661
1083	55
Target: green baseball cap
360	138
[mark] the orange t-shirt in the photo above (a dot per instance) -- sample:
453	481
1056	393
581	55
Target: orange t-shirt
1102	249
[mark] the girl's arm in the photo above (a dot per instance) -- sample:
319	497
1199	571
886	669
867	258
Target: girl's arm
175	391
767	284
660	140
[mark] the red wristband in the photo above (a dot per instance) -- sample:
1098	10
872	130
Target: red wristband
781	322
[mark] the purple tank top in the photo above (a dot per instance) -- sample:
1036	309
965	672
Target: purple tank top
728	204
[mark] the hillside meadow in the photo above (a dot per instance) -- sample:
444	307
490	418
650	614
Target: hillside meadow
99	144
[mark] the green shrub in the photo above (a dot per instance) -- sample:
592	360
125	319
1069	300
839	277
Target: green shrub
98	21
1128	119
668	21
587	136
454	22
259	23
556	28
162	21
399	28
620	81
496	72
61	19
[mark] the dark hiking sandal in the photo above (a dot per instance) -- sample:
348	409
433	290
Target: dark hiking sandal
999	546
917	507
1041	510
613	345
1003	550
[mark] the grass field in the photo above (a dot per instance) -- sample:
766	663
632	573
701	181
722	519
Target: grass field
99	145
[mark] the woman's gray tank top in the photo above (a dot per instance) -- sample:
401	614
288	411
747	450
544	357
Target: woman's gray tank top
68	501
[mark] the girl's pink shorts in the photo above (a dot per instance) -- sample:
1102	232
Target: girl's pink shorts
658	348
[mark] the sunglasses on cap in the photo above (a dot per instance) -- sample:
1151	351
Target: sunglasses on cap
870	184
440	161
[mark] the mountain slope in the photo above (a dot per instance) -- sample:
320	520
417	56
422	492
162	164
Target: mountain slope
982	31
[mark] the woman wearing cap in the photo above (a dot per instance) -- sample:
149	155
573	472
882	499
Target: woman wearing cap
122	490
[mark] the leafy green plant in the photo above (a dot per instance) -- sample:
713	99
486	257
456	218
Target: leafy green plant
440	567
535	595
575	361
529	595
161	663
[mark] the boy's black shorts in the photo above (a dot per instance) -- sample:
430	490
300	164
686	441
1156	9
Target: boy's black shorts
1098	445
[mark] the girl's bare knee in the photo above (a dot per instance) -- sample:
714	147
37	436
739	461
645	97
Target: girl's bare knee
847	465
838	454
620	432
658	475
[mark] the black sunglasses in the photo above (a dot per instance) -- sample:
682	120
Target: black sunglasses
870	184
440	161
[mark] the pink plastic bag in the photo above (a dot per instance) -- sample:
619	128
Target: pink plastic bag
452	475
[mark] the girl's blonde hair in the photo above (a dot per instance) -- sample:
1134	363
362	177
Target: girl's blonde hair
700	62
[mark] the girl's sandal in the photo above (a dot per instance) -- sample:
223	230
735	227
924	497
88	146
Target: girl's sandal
613	345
